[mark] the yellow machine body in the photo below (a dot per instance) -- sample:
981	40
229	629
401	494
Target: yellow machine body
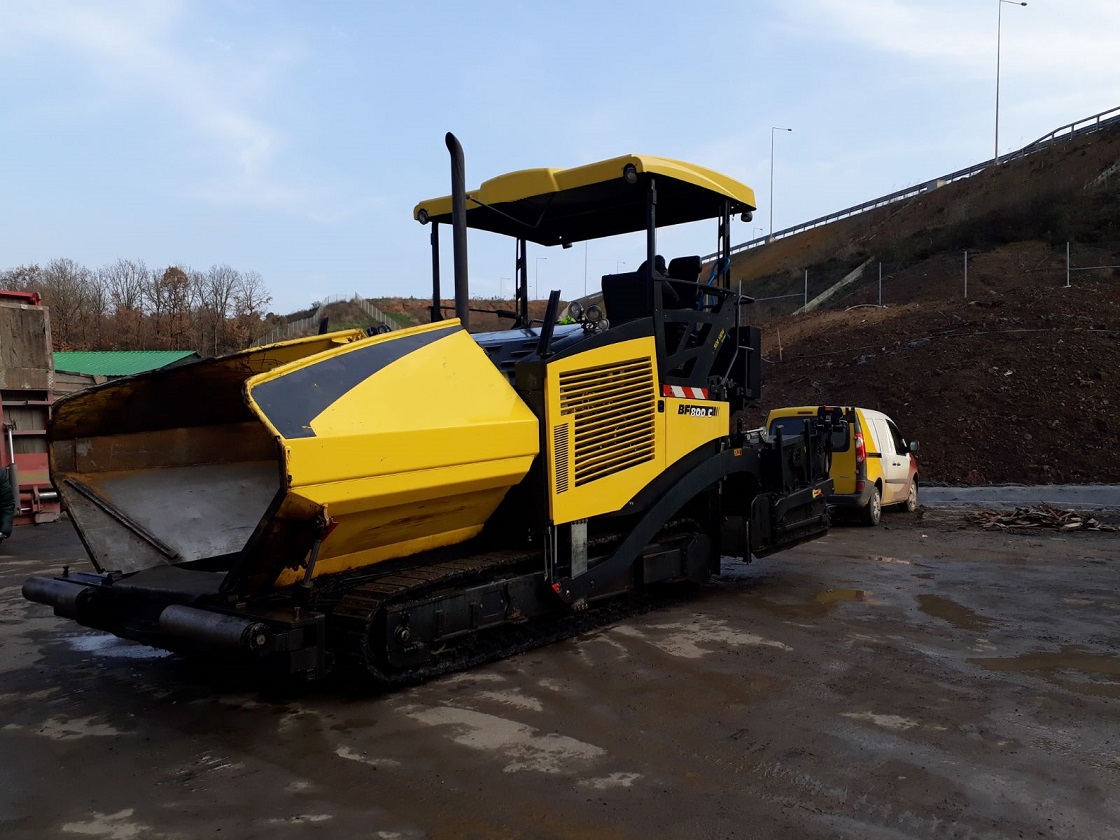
610	433
416	455
373	448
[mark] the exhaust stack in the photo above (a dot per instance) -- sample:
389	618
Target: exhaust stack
459	228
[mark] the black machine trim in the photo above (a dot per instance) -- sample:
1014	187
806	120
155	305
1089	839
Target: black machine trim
707	472
292	401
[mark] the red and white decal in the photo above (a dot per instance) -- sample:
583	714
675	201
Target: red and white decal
684	393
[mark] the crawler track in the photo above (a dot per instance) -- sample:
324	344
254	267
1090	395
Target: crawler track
362	644
356	640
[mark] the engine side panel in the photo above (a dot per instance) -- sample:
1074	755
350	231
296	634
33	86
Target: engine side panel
608	431
604	434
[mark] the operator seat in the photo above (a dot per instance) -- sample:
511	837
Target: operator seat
627	297
686	269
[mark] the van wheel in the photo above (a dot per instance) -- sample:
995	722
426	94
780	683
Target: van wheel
873	510
912	496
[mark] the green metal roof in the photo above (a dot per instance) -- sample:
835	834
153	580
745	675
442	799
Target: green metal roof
118	362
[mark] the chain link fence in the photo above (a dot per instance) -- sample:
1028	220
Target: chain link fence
966	275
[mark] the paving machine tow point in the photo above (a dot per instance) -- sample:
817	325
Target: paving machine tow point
406	503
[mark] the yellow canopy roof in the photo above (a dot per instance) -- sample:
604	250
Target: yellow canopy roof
557	206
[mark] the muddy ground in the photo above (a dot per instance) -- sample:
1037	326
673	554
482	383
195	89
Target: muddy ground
925	679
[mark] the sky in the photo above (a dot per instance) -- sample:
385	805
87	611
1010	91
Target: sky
294	138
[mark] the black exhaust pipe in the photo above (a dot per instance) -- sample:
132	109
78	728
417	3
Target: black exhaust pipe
459	228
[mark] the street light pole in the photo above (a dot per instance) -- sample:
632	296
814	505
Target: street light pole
537	279
773	128
999	28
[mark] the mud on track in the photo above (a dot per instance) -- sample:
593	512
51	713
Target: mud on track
924	679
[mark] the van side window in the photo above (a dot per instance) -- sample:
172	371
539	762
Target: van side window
899	441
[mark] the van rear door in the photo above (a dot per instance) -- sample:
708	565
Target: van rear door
845	471
896	461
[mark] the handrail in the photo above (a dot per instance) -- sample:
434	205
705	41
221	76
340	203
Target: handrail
1083	126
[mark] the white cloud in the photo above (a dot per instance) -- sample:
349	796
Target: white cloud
1075	39
139	51
894	26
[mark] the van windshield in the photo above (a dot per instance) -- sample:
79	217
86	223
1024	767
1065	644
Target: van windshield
841	438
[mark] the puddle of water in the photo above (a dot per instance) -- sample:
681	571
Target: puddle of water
119	824
886	721
1069	668
834	596
522	747
960	617
694	640
882	559
71	729
818	606
614	780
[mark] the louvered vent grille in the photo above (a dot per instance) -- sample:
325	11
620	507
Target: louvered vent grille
615	411
560	456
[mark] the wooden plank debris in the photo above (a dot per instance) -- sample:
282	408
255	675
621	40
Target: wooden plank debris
1038	516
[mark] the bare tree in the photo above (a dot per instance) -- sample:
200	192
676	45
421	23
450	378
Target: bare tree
200	334
249	301
125	305
156	305
22	278
169	302
218	288
97	313
65	285
126	283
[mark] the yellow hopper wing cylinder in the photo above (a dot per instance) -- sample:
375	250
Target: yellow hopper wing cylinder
354	449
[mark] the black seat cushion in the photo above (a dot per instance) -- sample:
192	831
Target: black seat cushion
626	297
686	269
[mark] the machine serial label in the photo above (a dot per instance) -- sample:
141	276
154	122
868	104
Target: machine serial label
698	410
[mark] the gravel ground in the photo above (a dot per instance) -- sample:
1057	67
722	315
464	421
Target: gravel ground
923	679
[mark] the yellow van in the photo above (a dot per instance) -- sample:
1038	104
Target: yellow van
873	466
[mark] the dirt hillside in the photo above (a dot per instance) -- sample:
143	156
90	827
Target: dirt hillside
1020	381
1017	386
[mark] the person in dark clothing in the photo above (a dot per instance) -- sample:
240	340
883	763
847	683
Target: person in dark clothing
658	266
669	296
7	505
